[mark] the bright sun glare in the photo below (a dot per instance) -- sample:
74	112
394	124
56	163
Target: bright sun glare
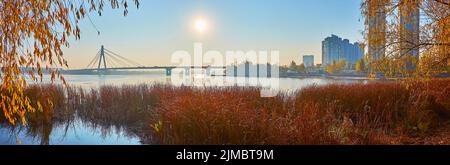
201	25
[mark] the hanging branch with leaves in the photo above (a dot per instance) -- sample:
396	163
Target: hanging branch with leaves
32	35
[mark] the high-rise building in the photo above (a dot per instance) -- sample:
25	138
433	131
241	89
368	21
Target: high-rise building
308	60
376	11
330	49
409	29
335	48
444	37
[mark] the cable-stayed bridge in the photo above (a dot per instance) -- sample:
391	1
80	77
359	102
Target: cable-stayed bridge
106	61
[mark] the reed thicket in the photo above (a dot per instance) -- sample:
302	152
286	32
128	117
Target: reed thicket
372	113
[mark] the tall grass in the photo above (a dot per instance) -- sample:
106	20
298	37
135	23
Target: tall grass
372	113
118	105
53	108
128	107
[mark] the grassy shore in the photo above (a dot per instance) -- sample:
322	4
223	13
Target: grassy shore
407	112
374	113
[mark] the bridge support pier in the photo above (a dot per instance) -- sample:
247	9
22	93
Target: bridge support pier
187	71
168	71
208	71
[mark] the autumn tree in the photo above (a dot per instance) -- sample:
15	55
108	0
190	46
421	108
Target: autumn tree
330	69
336	66
341	64
301	67
436	37
32	35
406	34
360	66
293	65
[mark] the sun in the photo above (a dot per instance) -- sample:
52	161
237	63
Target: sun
200	25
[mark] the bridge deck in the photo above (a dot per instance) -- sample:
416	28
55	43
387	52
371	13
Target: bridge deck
153	67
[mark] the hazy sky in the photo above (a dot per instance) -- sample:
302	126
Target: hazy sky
158	28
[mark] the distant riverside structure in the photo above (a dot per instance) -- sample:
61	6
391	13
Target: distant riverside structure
377	28
308	60
409	29
335	48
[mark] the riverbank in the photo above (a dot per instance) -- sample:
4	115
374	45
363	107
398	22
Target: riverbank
374	113
407	112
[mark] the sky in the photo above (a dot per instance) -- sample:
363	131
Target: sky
151	34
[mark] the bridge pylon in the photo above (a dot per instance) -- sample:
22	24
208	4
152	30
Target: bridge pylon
102	58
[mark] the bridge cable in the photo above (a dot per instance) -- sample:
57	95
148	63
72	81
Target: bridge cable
97	60
125	59
116	60
120	62
110	63
130	61
113	62
93	61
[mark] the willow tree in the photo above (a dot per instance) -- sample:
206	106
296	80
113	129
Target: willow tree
410	35
32	35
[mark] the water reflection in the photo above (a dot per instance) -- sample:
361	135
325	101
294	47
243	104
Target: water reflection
285	84
63	122
78	132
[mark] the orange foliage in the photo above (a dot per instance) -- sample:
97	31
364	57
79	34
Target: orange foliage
33	33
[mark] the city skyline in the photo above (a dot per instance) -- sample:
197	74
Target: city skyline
157	29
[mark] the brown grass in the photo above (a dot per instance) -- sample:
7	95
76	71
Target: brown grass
374	113
410	112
